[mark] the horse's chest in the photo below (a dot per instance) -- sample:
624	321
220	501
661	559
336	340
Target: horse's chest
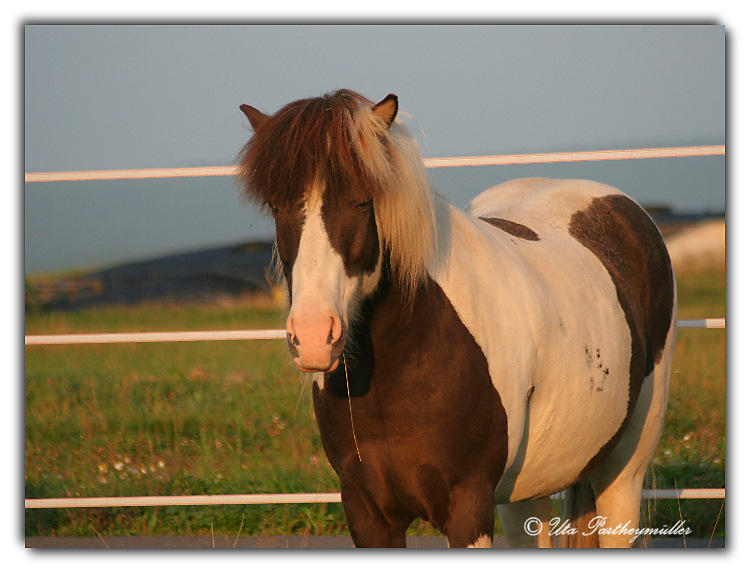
411	438
399	434
416	412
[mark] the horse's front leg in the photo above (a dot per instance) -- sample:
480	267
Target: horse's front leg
471	521
369	526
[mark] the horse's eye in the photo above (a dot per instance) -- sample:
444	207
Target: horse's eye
364	205
272	207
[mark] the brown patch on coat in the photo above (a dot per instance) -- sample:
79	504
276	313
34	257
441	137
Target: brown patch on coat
629	245
515	229
430	426
353	232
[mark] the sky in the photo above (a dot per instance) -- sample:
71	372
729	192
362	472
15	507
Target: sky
99	97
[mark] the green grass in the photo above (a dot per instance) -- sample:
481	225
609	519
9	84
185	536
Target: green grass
231	417
691	452
169	419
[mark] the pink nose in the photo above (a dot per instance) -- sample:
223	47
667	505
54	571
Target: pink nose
315	340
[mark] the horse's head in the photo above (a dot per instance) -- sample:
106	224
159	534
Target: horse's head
326	169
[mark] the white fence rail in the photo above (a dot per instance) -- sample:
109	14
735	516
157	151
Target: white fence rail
607	155
274	498
121	337
250	499
210	335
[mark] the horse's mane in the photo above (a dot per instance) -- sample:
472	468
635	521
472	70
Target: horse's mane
337	140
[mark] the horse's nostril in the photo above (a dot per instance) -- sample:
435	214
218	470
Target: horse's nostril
292	339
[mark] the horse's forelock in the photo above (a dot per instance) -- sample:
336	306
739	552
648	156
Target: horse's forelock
313	139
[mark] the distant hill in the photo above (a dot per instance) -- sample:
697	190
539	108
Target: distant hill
189	277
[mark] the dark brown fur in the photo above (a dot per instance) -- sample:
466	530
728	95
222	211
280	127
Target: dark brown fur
512	228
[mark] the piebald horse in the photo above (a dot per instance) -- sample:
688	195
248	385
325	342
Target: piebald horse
464	358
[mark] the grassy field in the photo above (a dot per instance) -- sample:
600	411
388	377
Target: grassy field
691	452
232	417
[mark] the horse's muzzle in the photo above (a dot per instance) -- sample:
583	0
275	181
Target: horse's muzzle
315	343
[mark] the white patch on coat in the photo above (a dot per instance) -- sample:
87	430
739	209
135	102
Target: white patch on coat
484	542
318	275
546	316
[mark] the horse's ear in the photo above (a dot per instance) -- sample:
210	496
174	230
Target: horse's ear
257	118
387	109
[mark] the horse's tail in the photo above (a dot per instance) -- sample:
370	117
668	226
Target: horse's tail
580	509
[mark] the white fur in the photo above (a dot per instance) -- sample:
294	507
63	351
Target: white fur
484	542
318	277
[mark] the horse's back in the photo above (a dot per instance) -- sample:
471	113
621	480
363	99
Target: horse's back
605	222
544	205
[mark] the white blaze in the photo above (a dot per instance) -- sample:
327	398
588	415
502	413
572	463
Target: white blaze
322	294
